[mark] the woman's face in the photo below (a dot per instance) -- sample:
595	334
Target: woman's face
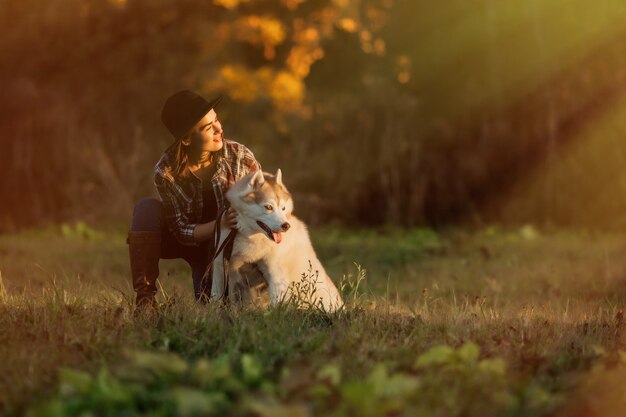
206	135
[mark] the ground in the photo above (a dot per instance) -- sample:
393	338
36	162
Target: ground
515	321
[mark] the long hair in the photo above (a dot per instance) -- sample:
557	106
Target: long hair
179	157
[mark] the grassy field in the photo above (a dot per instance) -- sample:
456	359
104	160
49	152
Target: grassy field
515	322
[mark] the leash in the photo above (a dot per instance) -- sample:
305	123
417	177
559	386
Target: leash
226	246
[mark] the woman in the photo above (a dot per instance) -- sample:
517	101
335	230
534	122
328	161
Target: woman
191	179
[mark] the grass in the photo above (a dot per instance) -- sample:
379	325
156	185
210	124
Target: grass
483	323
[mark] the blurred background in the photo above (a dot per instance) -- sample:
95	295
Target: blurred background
379	112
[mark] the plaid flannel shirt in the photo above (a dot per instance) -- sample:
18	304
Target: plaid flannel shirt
182	197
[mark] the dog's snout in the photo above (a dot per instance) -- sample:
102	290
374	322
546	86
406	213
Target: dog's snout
285	226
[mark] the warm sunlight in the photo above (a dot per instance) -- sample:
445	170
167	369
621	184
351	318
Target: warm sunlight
313	208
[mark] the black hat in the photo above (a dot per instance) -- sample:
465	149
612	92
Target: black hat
183	110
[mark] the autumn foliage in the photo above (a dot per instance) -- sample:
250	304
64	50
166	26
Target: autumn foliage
378	111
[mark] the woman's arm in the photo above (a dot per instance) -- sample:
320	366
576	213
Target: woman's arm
174	213
204	231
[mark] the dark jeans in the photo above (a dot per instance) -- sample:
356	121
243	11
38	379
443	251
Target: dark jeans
148	217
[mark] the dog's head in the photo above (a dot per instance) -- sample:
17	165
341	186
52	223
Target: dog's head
262	203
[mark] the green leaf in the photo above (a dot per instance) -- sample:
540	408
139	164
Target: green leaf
271	408
224	377
469	352
251	369
320	391
53	408
358	395
162	363
192	402
437	355
537	397
202	373
221	368
72	381
111	389
377	379
495	366
330	373
400	386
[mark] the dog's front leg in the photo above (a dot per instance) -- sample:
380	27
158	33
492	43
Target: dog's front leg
278	285
235	281
217	286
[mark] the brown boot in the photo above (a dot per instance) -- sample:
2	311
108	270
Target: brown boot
144	249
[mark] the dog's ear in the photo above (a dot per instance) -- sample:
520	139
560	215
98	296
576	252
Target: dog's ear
279	177
250	197
257	180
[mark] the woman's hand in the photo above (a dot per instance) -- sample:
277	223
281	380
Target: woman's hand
230	218
205	231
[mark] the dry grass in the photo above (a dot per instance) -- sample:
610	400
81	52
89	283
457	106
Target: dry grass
549	305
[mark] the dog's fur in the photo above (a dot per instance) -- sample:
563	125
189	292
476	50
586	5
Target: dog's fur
271	237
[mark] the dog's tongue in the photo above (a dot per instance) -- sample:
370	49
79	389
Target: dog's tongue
277	237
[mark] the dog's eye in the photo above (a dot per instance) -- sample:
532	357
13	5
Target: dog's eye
269	207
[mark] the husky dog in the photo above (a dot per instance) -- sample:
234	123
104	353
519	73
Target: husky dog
270	236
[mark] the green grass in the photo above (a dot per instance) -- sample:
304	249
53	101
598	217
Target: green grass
483	323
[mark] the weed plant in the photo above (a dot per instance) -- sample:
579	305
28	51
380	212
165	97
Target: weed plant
483	324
